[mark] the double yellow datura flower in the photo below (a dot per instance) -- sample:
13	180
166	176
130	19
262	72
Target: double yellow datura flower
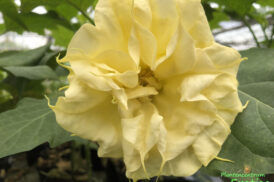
150	85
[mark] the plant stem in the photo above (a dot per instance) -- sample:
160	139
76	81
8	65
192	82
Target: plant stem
271	38
265	35
252	32
82	12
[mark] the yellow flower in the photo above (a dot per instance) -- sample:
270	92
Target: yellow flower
151	86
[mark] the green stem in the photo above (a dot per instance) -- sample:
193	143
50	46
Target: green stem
271	38
82	12
88	158
265	35
252	32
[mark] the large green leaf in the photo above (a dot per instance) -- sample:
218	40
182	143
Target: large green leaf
258	68
2	28
39	72
66	11
266	2
58	19
62	35
83	5
28	5
8	53
23	58
38	23
241	7
29	125
251	143
11	16
218	16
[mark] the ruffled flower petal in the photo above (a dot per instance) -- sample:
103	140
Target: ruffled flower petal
80	112
150	85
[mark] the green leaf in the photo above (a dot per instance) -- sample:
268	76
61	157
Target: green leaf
218	16
11	15
38	23
62	35
251	143
242	156
241	7
260	15
2	28
258	68
66	11
67	8
208	11
32	123
32	72
11	25
28	5
49	56
265	2
94	3
8	53
23	58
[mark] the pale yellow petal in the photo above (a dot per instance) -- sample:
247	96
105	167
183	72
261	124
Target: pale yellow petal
122	10
217	58
90	75
186	164
183	121
141	129
82	115
134	47
142	13
80	97
164	22
180	55
108	23
222	56
192	85
209	142
148	45
194	20
86	41
122	63
149	84
140	91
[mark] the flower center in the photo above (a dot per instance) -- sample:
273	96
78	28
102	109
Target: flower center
147	78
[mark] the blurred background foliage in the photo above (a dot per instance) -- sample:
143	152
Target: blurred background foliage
26	75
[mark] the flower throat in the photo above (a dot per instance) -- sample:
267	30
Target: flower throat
147	78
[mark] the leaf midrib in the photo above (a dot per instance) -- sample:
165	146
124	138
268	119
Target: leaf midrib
254	83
